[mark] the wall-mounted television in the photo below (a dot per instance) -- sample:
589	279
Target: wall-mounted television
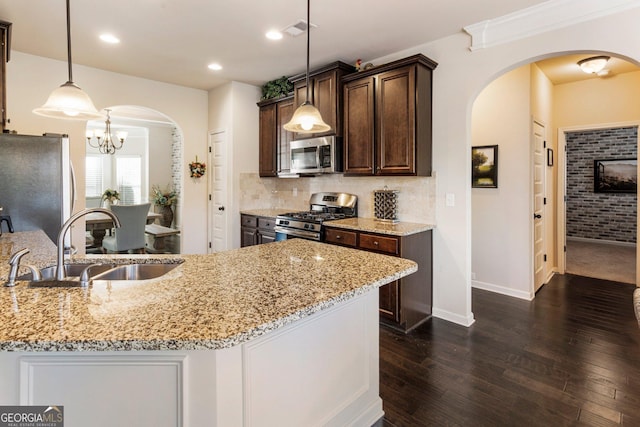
615	176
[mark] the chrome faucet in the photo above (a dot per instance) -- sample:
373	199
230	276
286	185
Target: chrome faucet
60	273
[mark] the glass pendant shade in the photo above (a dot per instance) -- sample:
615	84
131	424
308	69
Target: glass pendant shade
307	119
69	102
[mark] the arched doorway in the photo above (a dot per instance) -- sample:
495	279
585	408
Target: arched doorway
504	113
150	159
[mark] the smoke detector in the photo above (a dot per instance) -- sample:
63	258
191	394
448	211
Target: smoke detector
298	28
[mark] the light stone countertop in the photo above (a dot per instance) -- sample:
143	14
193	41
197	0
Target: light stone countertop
208	302
271	213
375	226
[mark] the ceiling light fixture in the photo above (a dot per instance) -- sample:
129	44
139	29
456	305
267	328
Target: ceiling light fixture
594	64
274	35
109	38
215	66
105	142
307	118
69	101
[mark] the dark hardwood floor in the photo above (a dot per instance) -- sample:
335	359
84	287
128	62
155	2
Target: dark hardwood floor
569	357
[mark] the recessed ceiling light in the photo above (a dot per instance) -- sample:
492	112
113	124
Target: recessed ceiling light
109	38
215	66
274	35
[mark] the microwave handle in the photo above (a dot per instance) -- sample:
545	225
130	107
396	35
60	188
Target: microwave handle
318	150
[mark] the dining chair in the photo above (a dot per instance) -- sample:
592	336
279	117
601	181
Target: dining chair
130	235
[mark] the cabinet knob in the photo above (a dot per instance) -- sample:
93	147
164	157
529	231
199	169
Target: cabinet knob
338	236
376	243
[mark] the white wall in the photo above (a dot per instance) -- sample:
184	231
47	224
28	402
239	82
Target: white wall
233	109
501	241
30	79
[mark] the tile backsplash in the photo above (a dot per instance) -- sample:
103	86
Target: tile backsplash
416	197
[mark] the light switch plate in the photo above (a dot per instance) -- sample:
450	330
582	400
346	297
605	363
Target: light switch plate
450	199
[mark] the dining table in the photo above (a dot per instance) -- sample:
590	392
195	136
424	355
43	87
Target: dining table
98	223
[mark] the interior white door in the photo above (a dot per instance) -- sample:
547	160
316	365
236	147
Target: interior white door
539	248
218	196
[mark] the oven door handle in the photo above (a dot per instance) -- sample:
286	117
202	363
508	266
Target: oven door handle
297	233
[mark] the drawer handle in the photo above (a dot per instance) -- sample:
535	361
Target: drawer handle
338	236
375	242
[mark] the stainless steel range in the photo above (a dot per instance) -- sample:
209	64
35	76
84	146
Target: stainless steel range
323	207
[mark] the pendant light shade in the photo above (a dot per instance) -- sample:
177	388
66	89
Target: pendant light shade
307	118
69	101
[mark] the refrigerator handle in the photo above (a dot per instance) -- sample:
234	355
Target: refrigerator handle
73	186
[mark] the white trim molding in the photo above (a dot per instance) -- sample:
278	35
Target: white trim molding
541	18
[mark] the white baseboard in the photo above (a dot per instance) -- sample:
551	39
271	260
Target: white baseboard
502	290
453	317
599	241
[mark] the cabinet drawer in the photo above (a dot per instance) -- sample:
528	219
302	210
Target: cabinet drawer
388	245
340	237
267	223
248	221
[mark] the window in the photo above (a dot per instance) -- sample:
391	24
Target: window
129	179
93	173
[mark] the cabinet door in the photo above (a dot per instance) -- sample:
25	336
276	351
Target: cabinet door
268	141
248	237
325	99
284	111
390	301
395	122
359	126
266	237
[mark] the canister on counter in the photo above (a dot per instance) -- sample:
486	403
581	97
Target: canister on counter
385	205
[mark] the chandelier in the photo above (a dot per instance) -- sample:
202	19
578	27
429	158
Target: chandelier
105	142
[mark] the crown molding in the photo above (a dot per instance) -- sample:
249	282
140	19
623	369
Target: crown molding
541	18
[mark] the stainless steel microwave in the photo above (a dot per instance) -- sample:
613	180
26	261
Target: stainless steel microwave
316	155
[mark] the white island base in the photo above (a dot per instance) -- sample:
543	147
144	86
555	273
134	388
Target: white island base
321	370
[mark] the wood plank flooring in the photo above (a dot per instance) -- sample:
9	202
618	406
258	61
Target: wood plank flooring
570	357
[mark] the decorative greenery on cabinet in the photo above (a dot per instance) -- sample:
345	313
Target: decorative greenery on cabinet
277	88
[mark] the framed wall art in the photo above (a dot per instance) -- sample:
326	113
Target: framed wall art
484	166
615	176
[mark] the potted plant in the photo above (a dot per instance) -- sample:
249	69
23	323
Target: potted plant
110	197
277	88
164	199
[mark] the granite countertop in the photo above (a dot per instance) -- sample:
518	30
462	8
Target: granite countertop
375	226
271	213
208	302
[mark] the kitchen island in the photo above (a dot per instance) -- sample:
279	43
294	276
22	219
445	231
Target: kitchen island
277	334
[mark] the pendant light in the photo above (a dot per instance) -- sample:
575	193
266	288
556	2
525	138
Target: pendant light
307	118
69	101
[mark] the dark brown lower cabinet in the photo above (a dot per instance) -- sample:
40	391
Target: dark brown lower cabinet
405	303
255	230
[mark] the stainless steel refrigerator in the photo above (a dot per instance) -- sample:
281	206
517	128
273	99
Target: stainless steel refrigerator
36	182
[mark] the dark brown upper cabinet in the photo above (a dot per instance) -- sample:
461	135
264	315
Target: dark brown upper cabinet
274	139
387	118
325	93
5	39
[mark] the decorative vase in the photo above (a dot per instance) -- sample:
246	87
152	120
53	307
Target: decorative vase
167	216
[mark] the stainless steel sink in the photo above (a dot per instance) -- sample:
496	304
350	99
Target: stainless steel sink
135	272
80	275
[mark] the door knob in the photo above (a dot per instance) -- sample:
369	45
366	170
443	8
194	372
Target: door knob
537	216
221	208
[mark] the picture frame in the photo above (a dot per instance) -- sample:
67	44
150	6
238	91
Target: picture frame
549	157
615	175
484	166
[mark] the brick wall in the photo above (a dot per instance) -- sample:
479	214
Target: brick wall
604	216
